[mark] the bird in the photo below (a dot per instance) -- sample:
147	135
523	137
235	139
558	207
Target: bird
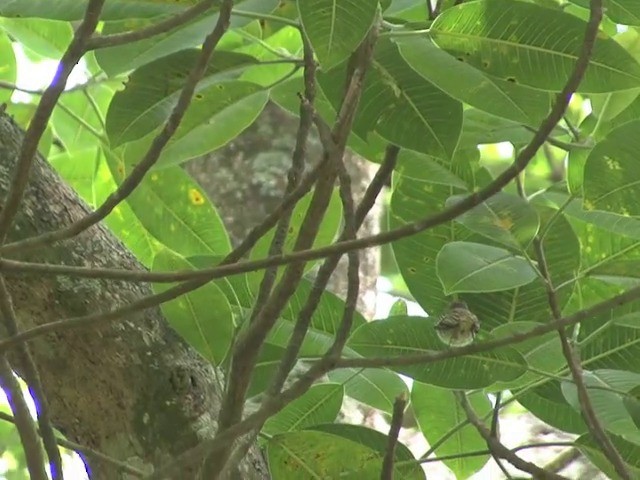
457	326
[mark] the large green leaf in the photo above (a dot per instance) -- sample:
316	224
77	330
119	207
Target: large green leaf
480	127
400	105
542	353
531	45
411	335
375	387
76	121
548	404
336	27
470	85
630	453
202	317
45	37
606	390
438	412
611	174
123	58
152	91
73	10
216	115
530	302
343	451
620	11
175	210
320	404
416	193
474	267
503	218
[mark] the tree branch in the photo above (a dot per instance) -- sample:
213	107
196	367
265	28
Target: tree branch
23	421
103	41
32	377
392	438
153	153
42	114
498	449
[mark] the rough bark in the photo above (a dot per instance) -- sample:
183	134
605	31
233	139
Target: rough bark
131	389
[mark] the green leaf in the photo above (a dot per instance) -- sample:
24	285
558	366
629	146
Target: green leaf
152	91
419	186
122	220
529	303
123	58
375	387
79	170
217	115
8	67
632	404
284	96
320	404
336	27
413	335
519	42
202	317
45	37
175	210
75	121
626	12
470	85
503	218
630	453
480	127
548	404
377	442
605	389
474	267
438	413
543	353
400	105
73	10
611	175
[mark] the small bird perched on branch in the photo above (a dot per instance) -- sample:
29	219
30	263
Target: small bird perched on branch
458	326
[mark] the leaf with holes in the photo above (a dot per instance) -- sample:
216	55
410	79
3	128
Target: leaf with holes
531	45
470	85
152	91
611	174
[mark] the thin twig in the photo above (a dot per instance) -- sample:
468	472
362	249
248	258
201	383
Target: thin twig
41	116
277	243
498	449
575	367
155	149
392	438
171	23
76	447
294	174
32	377
24	423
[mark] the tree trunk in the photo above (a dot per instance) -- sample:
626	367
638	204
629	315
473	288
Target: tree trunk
131	389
